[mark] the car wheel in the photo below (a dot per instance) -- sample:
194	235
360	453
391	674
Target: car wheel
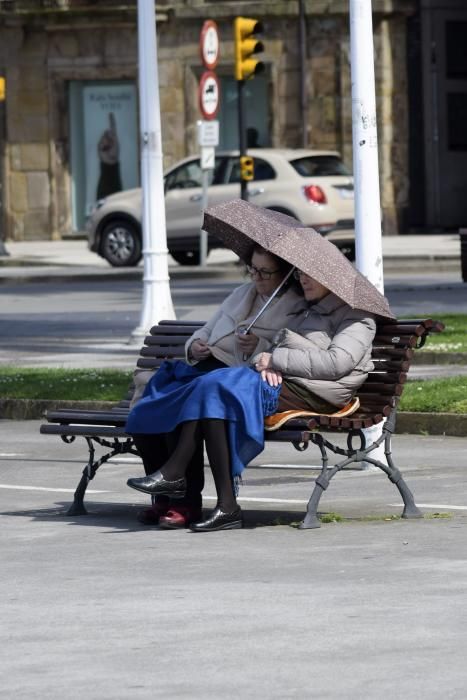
186	257
121	243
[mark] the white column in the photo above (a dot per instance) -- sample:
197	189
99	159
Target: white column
368	245
157	300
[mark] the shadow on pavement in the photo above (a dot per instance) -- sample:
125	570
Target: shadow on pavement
122	517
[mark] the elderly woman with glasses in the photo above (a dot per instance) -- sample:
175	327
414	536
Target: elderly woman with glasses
220	343
323	355
316	362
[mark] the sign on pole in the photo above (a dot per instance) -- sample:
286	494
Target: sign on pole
209	94
208	157
208	131
2	89
209	44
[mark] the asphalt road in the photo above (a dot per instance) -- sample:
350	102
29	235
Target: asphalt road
101	607
57	323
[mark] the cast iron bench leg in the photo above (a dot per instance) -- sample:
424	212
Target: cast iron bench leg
89	472
311	520
410	509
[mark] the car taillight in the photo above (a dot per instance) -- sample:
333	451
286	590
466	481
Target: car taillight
314	193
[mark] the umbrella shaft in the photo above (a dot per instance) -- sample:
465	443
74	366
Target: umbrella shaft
263	308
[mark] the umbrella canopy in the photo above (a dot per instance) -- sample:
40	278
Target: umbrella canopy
241	225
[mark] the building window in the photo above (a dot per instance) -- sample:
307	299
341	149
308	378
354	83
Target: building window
256	109
457	120
456	53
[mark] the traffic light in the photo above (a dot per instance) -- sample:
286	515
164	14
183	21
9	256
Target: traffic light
246	45
247	168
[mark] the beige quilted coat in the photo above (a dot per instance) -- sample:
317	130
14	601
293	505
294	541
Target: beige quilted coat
326	349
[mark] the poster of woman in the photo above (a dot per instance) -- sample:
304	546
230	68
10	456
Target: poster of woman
111	161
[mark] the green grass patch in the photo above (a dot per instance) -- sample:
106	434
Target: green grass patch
331	518
429	396
436	395
63	384
454	336
336	518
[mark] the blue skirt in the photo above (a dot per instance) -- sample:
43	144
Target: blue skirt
178	393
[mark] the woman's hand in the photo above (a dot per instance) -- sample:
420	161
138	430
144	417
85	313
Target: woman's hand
199	350
247	343
272	376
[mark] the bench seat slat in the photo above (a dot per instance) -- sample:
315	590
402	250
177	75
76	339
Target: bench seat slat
87	417
83	431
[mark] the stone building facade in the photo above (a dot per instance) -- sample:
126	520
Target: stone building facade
51	50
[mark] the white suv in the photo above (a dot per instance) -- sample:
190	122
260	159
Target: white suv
313	186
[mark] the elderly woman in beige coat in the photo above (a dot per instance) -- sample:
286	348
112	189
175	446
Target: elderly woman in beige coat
219	343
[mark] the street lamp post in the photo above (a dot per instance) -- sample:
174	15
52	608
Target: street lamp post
157	300
368	245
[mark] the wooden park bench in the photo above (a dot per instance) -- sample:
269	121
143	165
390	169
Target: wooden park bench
393	349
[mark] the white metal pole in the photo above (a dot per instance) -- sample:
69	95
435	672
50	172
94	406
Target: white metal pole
368	245
203	236
369	256
157	300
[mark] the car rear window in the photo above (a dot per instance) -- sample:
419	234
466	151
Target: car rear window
316	166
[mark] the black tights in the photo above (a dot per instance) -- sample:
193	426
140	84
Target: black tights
214	433
156	448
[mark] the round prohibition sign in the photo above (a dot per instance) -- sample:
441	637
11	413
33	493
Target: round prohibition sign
209	44
209	94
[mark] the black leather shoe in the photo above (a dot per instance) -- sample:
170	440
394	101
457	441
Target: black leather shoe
155	484
218	520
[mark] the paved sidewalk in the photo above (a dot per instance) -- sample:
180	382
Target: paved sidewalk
100	607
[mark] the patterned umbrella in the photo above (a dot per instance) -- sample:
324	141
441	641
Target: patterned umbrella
241	225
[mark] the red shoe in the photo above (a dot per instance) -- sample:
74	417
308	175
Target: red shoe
178	517
151	516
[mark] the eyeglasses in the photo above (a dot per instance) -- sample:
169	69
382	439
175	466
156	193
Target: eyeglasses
298	273
262	274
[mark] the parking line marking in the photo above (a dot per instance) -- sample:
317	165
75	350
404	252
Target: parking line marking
431	505
44	488
285	466
262	500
